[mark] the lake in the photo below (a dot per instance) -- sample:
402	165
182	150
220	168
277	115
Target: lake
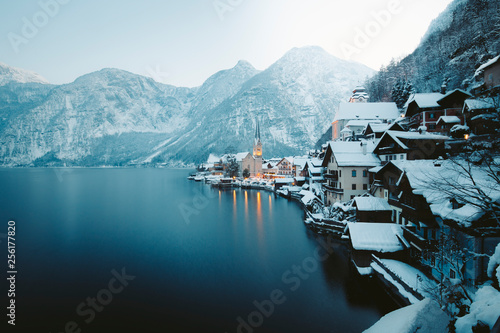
146	250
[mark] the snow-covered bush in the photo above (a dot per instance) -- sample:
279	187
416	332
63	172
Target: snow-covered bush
459	131
494	265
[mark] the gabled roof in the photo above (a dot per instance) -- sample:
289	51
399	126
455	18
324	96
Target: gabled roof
371	204
381	128
399	137
477	104
350	153
363	123
421	173
487	64
366	111
449	120
454	94
378	237
425	101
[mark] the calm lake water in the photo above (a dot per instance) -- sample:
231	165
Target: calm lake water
200	257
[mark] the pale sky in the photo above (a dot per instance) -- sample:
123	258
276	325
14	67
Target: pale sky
183	42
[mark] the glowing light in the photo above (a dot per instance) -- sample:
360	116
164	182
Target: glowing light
466	136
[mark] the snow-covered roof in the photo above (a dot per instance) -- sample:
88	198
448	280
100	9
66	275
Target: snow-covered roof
449	120
452	93
379	128
362	123
477	104
486	65
452	183
346	130
378	237
398	135
308	197
371	204
300	161
429	100
240	156
213	159
284	180
360	111
350	153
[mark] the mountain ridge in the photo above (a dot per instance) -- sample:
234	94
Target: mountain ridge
114	117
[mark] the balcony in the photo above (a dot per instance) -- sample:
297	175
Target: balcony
333	189
331	176
414	239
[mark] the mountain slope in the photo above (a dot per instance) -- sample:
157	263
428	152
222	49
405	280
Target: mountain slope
114	117
294	100
11	74
463	37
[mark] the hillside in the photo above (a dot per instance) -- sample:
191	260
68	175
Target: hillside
462	38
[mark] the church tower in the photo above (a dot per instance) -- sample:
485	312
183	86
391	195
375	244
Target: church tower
257	153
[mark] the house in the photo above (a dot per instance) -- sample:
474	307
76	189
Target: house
357	127
347	165
313	171
346	112
488	75
376	130
372	209
423	110
445	123
478	114
285	167
397	145
385	240
437	201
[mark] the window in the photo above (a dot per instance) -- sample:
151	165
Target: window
391	181
354	186
432	115
365	187
453	275
432	127
354	173
365	173
340	173
402	157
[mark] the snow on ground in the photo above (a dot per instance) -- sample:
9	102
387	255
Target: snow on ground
485	308
409	296
423	317
494	264
414	278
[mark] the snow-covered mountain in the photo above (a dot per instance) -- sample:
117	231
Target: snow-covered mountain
11	74
115	117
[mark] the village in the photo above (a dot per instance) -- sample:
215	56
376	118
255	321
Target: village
413	191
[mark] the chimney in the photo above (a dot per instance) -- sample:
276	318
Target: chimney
363	147
443	89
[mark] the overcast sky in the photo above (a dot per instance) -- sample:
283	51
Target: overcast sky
183	42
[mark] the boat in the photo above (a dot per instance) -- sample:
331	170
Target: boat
225	183
199	178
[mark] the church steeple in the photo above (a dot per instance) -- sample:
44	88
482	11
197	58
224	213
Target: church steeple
257	133
257	144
